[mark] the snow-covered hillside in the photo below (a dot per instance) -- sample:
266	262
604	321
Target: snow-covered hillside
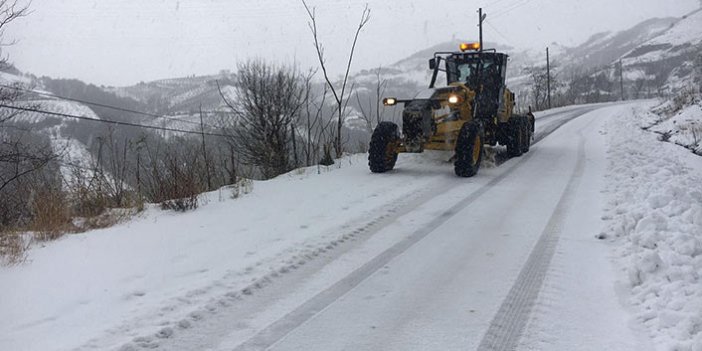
178	95
659	56
9	78
672	58
603	49
73	153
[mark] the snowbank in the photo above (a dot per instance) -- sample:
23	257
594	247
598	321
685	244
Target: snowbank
683	127
162	271
655	212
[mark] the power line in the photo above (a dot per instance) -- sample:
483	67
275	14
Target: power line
509	7
508	10
85	118
503	7
497	31
101	105
496	2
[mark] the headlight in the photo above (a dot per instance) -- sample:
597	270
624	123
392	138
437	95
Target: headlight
453	99
389	101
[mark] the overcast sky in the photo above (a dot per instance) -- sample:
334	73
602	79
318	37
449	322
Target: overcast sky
122	42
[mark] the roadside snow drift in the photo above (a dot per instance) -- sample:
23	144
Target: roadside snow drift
655	211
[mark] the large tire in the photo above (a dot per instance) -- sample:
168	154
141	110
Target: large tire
469	150
382	153
516	137
526	130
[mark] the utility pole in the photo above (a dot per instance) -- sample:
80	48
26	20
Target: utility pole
204	152
548	78
481	18
138	174
621	78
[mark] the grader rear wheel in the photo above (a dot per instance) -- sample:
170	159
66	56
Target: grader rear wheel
526	130
515	144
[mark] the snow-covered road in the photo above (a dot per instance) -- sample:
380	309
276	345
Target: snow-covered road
469	275
415	259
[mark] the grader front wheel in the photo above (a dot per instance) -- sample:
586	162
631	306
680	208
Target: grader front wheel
382	153
469	150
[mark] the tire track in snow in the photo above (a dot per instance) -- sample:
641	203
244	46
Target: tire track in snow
284	326
561	118
278	330
509	322
565	118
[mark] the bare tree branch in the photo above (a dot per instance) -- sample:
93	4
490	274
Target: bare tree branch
339	97
373	111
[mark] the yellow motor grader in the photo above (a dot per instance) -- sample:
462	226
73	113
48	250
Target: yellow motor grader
473	109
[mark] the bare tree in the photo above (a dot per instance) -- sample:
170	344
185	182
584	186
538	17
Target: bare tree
17	158
315	121
26	165
267	103
339	95
172	172
539	87
371	113
323	135
10	10
637	87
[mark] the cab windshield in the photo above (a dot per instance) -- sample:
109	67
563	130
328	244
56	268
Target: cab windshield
468	70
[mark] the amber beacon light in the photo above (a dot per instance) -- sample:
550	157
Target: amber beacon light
469	46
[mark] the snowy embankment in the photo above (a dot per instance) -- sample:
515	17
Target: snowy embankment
161	271
682	127
654	215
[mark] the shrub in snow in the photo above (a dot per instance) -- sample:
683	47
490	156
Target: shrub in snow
679	120
327	159
13	247
242	186
182	204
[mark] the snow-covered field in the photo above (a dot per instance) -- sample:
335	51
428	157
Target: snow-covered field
415	259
